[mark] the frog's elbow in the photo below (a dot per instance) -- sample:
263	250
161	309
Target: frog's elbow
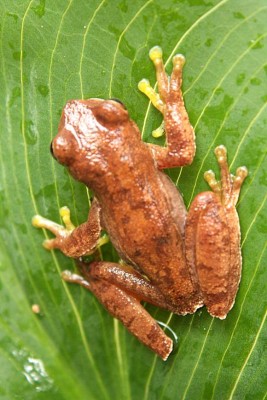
187	154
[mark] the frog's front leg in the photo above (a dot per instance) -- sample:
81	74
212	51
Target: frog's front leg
73	242
180	149
213	238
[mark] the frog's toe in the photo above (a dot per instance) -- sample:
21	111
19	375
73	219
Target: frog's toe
71	277
238	179
178	61
209	177
160	131
155	53
221	154
49	244
240	175
145	87
38	221
65	215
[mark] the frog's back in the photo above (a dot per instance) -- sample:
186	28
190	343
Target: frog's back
143	213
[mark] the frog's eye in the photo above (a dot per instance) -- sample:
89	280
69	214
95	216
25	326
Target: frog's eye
118	101
51	150
109	114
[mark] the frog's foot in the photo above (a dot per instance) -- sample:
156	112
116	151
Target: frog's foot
71	277
228	188
61	232
169	87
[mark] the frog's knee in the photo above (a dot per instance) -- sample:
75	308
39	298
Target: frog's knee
202	200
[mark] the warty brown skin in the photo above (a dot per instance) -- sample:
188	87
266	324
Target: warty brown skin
173	259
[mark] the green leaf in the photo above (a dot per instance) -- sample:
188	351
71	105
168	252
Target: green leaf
52	51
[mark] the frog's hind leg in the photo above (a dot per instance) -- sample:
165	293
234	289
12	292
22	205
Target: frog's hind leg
121	303
213	238
207	244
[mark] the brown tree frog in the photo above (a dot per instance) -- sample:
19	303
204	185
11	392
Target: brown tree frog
172	258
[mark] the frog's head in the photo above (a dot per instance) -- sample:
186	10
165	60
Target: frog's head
86	129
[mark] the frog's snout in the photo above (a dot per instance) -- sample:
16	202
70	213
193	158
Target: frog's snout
63	148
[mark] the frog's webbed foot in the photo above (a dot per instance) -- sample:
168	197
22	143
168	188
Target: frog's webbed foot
228	188
61	232
166	85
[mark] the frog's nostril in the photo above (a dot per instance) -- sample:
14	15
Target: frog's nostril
51	150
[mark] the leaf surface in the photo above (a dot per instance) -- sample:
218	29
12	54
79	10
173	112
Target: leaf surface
55	51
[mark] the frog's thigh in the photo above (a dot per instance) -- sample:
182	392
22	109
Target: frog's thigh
208	253
127	308
130	280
